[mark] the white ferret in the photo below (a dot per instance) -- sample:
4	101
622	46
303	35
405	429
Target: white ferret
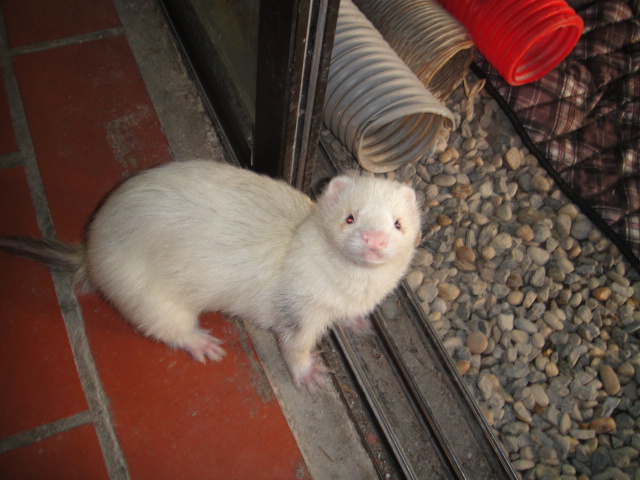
187	237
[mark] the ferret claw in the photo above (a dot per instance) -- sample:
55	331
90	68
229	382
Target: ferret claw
205	347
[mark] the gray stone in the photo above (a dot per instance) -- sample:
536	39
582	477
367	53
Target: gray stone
444	180
505	322
525	325
427	292
414	279
563	224
515	428
565	265
538	277
521	465
538	255
581	228
600	460
582	434
541	233
551	319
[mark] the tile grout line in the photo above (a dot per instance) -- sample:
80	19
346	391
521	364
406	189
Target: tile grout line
23	137
11	160
67	41
70	309
24	439
92	386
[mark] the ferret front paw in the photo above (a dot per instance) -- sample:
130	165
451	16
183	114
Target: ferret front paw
204	347
313	377
360	326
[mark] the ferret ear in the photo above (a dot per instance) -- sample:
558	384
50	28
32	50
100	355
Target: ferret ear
409	195
334	190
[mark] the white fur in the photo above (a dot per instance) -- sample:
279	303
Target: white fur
189	237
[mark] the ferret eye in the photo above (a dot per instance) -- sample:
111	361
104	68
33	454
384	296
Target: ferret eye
397	225
350	219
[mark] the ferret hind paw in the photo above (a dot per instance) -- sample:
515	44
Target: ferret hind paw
314	377
360	326
204	347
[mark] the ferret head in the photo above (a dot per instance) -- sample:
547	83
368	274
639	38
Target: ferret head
369	220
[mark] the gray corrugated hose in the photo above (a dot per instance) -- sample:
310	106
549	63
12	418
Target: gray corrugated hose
374	103
435	46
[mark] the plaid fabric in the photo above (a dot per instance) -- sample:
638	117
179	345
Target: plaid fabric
584	116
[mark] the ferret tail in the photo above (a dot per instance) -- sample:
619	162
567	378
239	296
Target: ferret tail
57	256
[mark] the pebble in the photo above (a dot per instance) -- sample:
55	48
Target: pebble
529	298
466	254
448	291
602	425
540	183
565	265
488	252
521	465
468	144
525	232
504	213
564	425
427	292
537	340
444	180
462	192
522	412
422	257
446	156
551	319
582	434
486	190
540	395
538	255
626	370
477	342
414	279
505	322
439	305
501	242
541	233
563	224
463	366
513	158
570	210
602	293
581	228
515	298
452	343
479	218
488	384
610	381
444	221
551	370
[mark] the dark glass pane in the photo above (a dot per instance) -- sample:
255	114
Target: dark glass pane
232	26
220	38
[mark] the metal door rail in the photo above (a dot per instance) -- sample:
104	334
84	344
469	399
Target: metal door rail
430	420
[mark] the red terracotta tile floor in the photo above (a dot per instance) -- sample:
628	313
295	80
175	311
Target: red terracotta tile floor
83	395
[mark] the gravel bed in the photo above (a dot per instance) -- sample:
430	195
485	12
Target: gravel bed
536	307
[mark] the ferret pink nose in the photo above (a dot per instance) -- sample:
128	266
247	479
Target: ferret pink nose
375	240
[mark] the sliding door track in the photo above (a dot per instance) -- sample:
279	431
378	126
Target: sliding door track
414	394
